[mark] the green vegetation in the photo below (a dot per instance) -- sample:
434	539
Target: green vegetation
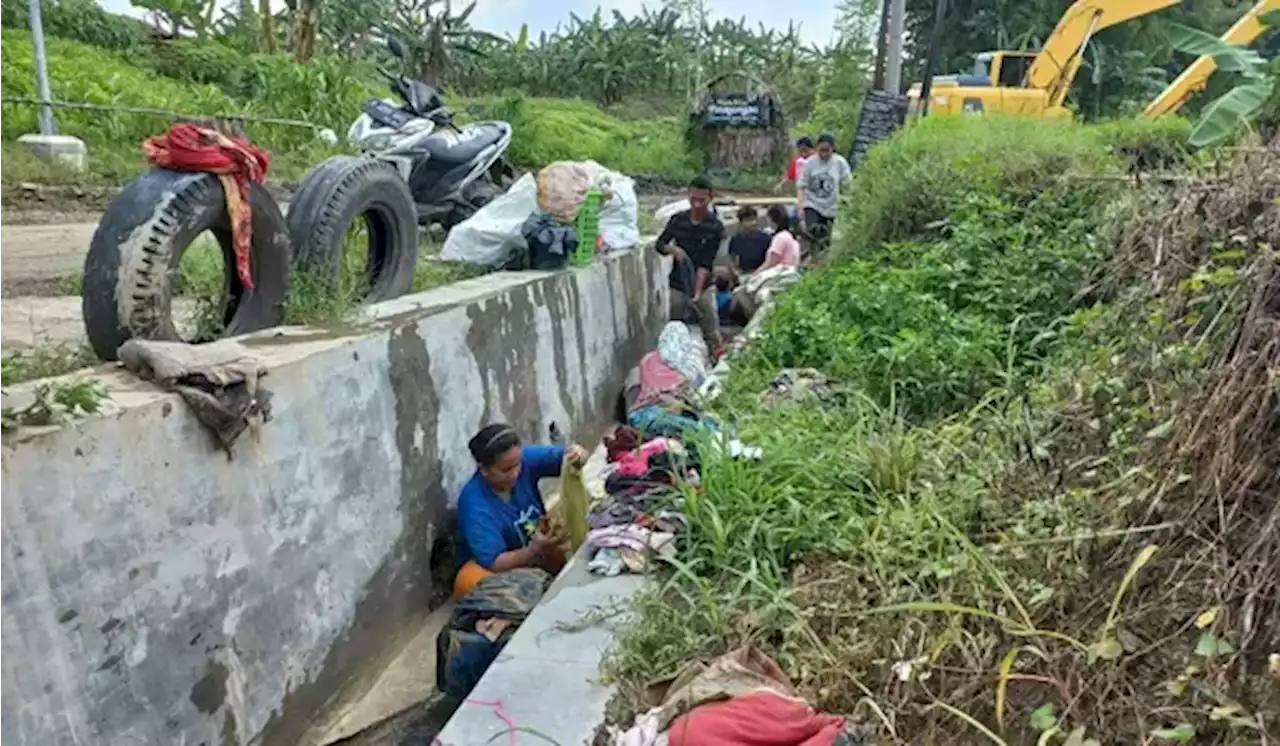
1029	519
49	403
546	130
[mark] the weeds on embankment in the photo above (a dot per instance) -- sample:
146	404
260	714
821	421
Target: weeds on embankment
1047	511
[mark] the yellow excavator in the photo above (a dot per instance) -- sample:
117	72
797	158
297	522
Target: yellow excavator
1194	79
1037	83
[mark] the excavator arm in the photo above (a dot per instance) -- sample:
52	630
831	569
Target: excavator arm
1196	77
1055	66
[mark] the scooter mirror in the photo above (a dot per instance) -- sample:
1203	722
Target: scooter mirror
397	47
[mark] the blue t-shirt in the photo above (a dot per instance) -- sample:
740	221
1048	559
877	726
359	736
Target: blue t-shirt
490	525
723	300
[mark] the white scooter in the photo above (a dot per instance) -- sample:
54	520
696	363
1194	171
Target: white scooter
451	171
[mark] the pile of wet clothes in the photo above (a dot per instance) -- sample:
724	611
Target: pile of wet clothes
654	455
742	697
637	518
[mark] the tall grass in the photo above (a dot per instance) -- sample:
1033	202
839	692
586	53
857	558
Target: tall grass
963	550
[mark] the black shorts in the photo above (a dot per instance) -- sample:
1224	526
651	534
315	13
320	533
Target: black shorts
815	219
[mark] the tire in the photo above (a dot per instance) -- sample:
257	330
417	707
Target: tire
332	196
136	251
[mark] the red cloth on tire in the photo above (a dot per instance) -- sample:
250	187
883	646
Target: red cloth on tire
756	719
235	161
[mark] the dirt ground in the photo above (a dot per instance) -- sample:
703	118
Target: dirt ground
36	257
29	321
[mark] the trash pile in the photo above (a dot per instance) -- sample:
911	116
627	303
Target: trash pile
566	214
741	697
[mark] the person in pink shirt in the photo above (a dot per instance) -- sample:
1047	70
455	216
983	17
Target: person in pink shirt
784	249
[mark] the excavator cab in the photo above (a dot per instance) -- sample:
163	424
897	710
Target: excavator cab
1006	69
996	84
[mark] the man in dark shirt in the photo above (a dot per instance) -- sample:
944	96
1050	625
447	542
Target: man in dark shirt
692	239
749	247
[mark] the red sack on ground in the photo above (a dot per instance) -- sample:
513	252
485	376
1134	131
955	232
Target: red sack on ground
757	719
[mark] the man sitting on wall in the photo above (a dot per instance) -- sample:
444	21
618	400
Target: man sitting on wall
692	239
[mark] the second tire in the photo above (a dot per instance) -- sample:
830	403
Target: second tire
335	195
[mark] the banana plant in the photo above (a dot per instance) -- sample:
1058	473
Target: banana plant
1225	116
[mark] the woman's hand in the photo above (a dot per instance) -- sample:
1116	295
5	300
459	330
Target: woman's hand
576	454
547	539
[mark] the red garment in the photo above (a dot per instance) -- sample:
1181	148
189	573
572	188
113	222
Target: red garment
757	719
658	379
636	463
622	441
234	160
793	168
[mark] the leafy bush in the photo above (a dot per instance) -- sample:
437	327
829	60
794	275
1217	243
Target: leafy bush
79	20
316	92
548	130
1147	143
326	91
198	61
81	73
936	319
926	171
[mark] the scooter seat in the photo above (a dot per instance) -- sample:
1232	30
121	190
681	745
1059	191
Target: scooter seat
447	146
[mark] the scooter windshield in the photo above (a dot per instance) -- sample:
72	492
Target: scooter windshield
419	97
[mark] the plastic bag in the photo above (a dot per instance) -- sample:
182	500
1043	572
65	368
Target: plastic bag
489	237
563	186
619	215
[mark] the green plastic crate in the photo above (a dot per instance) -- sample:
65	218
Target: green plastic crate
587	224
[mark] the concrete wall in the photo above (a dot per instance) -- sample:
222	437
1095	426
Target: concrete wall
155	592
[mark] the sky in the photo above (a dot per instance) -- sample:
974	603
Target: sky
505	16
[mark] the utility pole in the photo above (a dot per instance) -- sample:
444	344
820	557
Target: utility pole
931	59
882	37
893	61
702	19
42	70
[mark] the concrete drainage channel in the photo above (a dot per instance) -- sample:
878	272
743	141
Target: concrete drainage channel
158	592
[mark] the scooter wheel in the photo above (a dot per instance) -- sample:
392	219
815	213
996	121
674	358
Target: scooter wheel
356	211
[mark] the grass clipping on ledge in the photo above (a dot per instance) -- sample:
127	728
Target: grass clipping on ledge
1090	555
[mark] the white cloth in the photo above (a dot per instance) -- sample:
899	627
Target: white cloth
489	237
677	349
646	732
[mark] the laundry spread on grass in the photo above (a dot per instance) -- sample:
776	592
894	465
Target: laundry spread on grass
742	698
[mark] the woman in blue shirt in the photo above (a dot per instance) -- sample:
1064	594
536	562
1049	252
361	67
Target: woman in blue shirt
500	510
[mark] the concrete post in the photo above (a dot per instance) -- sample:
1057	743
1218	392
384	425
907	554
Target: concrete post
42	70
893	61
